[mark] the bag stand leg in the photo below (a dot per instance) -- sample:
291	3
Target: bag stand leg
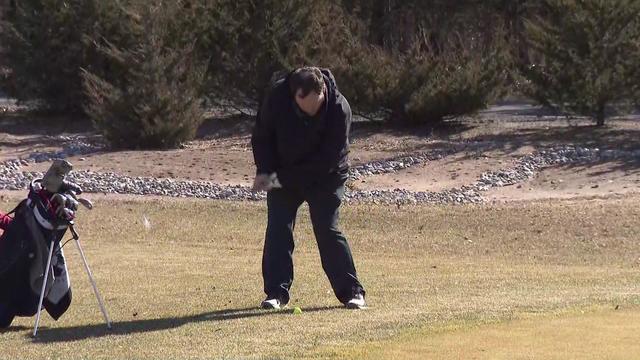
93	284
44	287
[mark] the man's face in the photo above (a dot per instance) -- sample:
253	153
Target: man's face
311	103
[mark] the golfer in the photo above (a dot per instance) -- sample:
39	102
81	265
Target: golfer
300	146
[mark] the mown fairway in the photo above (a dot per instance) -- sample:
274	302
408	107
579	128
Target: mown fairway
491	276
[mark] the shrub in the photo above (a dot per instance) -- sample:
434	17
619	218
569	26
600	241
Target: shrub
586	56
246	42
45	43
427	86
451	83
152	99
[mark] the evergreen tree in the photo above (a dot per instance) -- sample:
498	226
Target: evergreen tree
46	45
152	98
586	56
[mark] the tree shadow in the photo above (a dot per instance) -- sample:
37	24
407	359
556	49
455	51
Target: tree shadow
583	135
630	167
30	142
518	141
539	112
222	127
535	112
26	123
239	125
83	332
365	129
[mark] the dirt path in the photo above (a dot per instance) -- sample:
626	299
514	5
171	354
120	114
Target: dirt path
222	153
450	172
565	182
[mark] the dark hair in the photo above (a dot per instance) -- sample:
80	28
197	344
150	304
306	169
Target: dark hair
307	79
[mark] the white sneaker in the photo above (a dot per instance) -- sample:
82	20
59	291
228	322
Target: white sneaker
357	303
271	304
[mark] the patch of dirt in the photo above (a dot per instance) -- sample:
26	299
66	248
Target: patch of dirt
222	153
438	175
20	146
223	157
227	164
24	134
565	182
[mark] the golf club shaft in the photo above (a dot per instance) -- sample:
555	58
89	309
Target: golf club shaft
93	284
44	286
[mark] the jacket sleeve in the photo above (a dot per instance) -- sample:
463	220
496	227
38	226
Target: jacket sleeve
334	145
263	139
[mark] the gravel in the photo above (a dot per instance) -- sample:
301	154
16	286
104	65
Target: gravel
71	146
523	169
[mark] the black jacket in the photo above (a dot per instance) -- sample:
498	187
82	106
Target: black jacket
303	151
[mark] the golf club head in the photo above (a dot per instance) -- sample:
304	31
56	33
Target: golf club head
60	201
54	177
86	203
68	186
72	203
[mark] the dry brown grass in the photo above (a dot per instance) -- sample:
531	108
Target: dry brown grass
594	335
189	286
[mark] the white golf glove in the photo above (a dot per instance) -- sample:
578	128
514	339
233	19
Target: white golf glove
264	182
275	182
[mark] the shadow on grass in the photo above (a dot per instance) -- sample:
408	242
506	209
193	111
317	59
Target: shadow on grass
56	335
15	329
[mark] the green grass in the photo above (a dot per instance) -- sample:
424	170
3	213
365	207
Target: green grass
188	287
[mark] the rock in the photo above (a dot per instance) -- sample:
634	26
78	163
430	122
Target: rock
523	169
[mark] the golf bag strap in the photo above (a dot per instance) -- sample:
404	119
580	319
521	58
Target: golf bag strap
12	212
6	219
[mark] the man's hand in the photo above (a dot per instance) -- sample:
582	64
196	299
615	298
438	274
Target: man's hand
264	182
275	182
261	182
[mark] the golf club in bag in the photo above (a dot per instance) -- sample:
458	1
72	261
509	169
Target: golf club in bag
33	272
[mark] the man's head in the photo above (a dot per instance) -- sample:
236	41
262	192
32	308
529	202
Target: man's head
308	89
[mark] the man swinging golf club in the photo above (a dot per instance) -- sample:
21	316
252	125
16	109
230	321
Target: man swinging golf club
300	146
